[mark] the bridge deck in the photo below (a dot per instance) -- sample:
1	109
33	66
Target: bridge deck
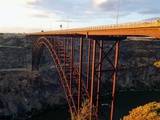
151	29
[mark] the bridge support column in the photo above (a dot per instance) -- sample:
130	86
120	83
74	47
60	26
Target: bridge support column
114	80
92	78
80	75
103	78
101	70
99	76
88	64
71	65
64	53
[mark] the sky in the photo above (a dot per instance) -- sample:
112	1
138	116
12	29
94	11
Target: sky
25	16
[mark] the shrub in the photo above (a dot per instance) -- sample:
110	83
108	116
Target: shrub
84	112
157	64
150	111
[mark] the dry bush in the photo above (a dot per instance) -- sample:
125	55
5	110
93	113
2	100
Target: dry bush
157	64
84	112
150	111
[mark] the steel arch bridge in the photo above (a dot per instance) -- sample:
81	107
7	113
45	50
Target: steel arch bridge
87	62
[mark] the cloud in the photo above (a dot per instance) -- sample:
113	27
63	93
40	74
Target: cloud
128	7
40	15
30	2
18	30
151	19
64	20
79	12
150	11
97	2
67	7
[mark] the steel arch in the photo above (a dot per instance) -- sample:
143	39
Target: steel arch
76	87
41	43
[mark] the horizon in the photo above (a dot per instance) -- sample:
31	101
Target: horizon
36	15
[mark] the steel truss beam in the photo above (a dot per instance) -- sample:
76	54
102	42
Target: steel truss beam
97	59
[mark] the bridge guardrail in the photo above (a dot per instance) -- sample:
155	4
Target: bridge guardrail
123	25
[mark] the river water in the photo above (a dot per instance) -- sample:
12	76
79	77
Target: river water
125	101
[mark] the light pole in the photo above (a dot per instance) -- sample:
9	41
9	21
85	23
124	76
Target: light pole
50	24
67	21
117	11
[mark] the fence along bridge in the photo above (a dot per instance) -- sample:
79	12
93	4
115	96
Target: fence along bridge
95	49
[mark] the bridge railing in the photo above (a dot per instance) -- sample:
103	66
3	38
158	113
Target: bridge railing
123	25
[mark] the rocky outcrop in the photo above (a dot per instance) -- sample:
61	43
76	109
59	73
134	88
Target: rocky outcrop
15	52
20	92
23	90
136	69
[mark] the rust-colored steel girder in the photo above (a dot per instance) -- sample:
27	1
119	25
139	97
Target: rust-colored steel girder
57	55
114	80
151	29
87	62
80	76
85	74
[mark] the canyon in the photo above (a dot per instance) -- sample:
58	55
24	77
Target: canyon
23	90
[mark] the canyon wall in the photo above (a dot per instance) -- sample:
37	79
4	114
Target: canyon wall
21	89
